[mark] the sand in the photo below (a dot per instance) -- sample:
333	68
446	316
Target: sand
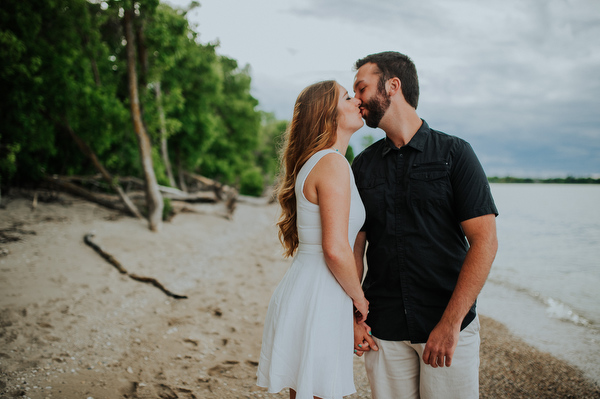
72	326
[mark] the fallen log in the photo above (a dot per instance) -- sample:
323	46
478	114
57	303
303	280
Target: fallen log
111	259
167	192
219	209
222	191
101	199
176	194
212	192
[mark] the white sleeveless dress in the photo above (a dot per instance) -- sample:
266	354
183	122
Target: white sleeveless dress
308	337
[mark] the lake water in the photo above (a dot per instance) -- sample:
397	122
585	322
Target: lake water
545	281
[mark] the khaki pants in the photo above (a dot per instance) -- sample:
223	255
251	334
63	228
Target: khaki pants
397	370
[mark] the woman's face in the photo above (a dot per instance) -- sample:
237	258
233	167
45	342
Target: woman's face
349	117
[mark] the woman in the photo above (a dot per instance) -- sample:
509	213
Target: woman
308	335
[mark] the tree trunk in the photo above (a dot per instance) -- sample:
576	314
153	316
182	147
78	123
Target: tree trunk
100	168
163	135
180	171
153	198
142	51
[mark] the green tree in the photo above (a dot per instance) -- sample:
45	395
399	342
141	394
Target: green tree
193	84
271	140
55	76
65	81
231	150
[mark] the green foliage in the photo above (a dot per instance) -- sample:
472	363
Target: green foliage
63	66
350	154
367	140
252	182
271	140
59	76
167	209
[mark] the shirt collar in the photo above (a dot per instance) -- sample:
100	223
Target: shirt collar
417	142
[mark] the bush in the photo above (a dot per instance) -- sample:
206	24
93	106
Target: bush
252	182
167	209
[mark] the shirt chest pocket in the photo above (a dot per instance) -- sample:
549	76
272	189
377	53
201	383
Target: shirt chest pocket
429	183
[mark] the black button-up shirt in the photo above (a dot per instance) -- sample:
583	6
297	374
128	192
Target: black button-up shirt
415	197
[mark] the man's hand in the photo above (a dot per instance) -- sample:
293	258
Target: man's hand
481	234
363	341
440	345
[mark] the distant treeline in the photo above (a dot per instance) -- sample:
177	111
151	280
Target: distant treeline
557	180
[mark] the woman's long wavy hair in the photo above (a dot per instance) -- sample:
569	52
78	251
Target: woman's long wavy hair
313	128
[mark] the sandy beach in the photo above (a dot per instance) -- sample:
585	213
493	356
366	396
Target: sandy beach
72	326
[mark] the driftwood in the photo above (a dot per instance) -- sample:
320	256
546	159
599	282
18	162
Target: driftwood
105	200
208	192
222	191
111	259
213	191
218	209
158	285
108	257
176	194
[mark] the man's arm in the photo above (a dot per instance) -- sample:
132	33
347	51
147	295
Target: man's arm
359	253
481	234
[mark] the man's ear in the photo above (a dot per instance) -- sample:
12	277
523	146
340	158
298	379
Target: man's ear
393	85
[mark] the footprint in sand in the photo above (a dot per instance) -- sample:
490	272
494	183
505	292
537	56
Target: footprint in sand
223	369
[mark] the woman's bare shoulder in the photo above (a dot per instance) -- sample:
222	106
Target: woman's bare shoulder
332	167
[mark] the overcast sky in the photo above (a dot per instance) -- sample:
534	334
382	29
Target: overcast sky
518	79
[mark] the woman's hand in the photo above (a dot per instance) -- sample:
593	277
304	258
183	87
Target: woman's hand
363	340
362	309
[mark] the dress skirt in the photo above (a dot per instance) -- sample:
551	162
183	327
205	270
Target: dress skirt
308	337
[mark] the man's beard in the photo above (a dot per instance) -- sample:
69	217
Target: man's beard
376	108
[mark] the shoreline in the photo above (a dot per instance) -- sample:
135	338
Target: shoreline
72	326
530	319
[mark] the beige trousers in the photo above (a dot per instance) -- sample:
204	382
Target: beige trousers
397	370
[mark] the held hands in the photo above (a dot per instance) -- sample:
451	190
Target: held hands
361	309
441	344
363	340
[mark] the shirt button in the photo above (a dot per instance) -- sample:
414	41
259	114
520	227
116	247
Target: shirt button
401	155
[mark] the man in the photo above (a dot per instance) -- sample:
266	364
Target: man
431	235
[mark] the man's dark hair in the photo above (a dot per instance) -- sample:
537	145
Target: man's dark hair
393	64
